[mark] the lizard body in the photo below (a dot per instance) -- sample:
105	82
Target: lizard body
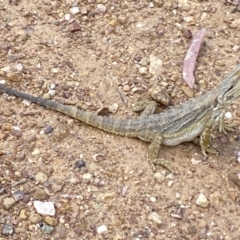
195	117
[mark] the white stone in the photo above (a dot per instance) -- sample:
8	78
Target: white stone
151	5
36	151
153	199
159	177
228	115
102	229
67	16
87	176
74	10
52	92
101	8
155	217
202	201
143	70
235	48
44	208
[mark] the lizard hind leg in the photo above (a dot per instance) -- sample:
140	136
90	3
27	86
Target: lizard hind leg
153	152
205	139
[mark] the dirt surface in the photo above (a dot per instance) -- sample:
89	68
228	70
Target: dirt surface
94	54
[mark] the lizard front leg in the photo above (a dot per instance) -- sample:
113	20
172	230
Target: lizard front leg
153	153
147	107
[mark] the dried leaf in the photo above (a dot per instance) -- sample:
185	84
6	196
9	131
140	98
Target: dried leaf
191	56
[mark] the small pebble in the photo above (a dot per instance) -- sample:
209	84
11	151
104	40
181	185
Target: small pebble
46	228
126	88
202	201
41	177
80	164
87	176
34	218
143	70
8	203
7	229
159	177
48	129
74	10
155	217
236	48
18	195
102	229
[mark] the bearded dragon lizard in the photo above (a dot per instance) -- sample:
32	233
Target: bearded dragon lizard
182	123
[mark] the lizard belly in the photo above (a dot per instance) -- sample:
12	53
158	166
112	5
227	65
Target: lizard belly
186	134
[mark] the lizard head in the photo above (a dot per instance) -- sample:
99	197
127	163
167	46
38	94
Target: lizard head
230	88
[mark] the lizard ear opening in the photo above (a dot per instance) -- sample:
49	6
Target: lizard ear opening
215	103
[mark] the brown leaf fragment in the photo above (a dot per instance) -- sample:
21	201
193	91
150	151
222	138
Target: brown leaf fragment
191	56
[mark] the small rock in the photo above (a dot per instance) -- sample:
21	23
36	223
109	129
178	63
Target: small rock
201	223
187	33
202	84
126	88
87	176
18	195
202	201
113	23
7	229
23	214
83	10
159	95
80	164
14	76
155	65
113	108
143	62
26	198
48	129
228	115
155	217
235	48
22	35
100	9
51	221
122	20
74	26
215	199
61	232
159	177
36	151
39	194
35	218
74	10
143	70
57	186
102	229
77	231
41	177
47	229
187	91
8	203
234	178
67	17
44	208
235	23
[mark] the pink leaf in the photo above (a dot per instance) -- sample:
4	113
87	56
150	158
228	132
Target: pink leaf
191	56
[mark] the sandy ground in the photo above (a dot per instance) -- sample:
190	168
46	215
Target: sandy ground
94	54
